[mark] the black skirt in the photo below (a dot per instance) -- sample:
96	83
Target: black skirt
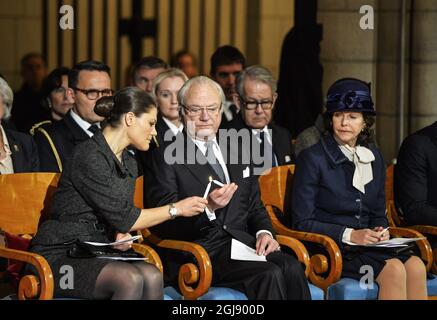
74	278
355	258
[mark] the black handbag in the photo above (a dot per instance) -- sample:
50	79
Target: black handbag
84	250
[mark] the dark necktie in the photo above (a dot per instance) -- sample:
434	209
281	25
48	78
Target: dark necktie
93	128
267	150
212	160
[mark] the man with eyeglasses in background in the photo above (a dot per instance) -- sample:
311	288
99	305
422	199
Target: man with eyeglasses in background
226	64
88	81
256	97
234	211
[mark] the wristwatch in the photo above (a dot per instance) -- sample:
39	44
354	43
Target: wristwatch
173	211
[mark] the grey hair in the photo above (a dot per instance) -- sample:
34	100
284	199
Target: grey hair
7	96
170	73
257	73
201	81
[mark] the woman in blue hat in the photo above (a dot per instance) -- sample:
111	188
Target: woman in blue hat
338	191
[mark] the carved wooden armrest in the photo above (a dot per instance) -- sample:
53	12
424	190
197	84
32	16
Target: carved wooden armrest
319	262
298	248
428	230
189	273
424	229
148	252
30	286
423	245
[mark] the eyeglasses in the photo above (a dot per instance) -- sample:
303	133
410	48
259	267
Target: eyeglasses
93	94
196	110
253	104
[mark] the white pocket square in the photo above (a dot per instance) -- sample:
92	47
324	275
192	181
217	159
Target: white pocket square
246	172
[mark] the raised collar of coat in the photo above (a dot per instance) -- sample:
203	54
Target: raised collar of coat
104	146
330	146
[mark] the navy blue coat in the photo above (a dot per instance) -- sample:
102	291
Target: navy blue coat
324	200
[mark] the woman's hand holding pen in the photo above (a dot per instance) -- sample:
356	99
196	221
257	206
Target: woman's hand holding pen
384	234
367	236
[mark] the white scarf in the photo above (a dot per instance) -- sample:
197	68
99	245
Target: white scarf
362	158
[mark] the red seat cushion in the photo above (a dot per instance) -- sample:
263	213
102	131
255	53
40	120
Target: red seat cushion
15	267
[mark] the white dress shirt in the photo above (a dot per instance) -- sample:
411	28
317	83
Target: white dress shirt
173	127
219	156
226	111
82	123
6	165
267	135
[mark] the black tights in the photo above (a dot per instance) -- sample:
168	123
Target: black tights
129	281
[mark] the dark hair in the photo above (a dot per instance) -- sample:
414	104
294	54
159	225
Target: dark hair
226	55
129	99
54	80
88	65
175	59
366	137
150	62
31	55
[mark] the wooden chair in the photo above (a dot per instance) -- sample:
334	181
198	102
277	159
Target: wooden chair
276	187
189	274
397	220
276	190
25	201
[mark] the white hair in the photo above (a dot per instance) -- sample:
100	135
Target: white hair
200	81
7	96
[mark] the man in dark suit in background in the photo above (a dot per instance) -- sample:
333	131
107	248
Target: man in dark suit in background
226	64
235	211
256	99
27	108
145	71
88	81
415	178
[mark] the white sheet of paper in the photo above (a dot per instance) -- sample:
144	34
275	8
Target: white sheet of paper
393	242
123	258
101	244
239	251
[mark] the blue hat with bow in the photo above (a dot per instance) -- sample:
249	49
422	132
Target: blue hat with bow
349	95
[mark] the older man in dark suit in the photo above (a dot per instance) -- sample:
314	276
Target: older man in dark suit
256	98
87	81
235	211
415	178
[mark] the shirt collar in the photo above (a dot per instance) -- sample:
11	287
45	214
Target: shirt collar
82	123
173	127
201	144
5	141
266	131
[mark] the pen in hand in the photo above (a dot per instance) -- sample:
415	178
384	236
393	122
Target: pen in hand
383	232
